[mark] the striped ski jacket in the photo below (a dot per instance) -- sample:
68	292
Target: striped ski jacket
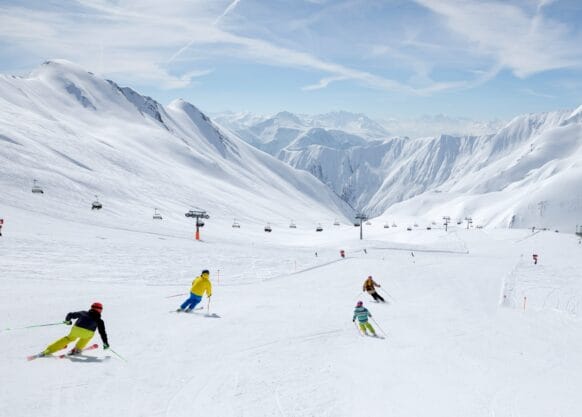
362	314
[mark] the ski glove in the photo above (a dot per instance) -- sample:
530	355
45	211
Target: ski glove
105	346
67	322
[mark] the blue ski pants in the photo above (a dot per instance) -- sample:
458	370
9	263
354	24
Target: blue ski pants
191	302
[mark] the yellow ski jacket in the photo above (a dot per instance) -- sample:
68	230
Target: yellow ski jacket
201	285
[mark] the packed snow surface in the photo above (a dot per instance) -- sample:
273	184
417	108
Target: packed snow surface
462	339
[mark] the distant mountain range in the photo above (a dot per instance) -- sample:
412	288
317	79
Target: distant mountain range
81	135
531	162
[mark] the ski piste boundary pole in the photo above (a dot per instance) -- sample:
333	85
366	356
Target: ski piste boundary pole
118	355
32	326
208	307
381	329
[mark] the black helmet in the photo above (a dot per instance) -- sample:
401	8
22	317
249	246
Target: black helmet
206	271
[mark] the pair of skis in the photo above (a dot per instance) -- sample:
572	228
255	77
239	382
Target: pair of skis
62	356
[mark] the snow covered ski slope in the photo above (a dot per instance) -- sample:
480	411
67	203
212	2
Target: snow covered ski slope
285	344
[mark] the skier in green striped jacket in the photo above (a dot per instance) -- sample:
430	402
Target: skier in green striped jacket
361	313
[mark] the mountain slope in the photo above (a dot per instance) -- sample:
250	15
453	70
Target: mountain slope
81	135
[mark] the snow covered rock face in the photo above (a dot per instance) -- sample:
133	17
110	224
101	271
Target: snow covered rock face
81	136
500	177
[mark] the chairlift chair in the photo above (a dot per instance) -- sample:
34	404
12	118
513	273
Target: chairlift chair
292	225
36	189
235	224
96	205
386	226
368	222
268	228
157	215
336	222
319	228
394	225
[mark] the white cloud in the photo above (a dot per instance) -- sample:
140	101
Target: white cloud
525	42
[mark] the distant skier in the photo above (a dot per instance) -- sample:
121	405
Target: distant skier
535	258
1	224
83	329
361	313
343	253
370	287
200	285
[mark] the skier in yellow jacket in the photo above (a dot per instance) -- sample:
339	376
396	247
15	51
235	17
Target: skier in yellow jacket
200	285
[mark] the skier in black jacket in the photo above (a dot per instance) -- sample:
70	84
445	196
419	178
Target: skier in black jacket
83	329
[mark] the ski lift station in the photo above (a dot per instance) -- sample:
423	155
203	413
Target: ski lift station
36	189
268	228
157	215
96	205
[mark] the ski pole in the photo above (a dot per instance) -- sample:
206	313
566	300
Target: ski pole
376	323
387	293
358	329
118	355
208	307
175	295
30	327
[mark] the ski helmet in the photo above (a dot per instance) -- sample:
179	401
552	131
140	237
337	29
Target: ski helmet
359	304
97	307
205	271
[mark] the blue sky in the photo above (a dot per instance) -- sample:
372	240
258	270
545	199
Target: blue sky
392	58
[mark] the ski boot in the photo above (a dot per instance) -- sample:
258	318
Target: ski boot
74	351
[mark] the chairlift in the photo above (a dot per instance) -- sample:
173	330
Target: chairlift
96	204
235	224
319	228
386	226
394	225
415	224
199	223
268	228
36	189
292	225
428	228
336	222
368	222
356	224
409	229
157	215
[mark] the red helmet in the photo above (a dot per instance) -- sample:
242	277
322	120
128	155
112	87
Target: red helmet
97	307
359	304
